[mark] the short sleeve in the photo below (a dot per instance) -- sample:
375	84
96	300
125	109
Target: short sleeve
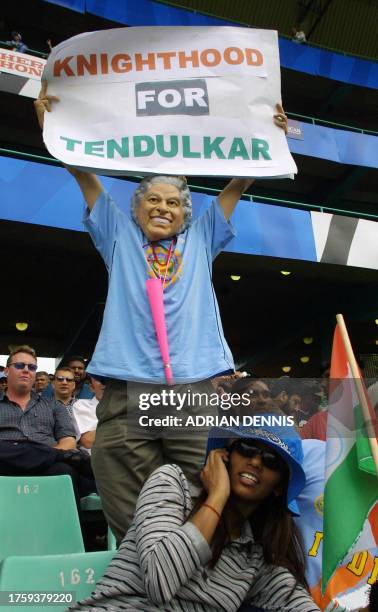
63	426
102	223
216	229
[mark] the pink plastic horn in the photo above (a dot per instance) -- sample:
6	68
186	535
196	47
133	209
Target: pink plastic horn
154	288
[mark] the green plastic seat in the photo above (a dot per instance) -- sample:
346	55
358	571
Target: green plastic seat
112	543
38	516
64	574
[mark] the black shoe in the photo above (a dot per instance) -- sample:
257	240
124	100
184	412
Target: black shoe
78	459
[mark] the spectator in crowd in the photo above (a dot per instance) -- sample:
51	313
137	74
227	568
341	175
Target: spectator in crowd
84	412
77	364
285	391
311	394
234	542
64	386
316	427
42	381
17	43
299	398
64	389
298	35
3	384
160	241
254	395
36	433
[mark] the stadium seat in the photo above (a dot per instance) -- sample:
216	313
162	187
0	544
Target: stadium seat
112	544
90	503
74	574
38	515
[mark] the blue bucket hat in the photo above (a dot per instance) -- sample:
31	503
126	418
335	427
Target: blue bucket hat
283	439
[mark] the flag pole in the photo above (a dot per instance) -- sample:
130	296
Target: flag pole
360	389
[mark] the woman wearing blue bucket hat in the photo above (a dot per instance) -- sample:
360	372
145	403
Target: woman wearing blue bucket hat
229	543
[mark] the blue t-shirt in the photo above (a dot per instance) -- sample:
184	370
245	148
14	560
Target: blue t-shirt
127	348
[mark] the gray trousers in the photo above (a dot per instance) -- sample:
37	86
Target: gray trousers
123	456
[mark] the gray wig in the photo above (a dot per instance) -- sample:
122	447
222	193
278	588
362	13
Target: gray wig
176	181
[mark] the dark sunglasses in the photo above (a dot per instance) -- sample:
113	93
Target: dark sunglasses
20	365
64	378
247	448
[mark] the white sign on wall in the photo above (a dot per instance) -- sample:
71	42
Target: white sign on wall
178	100
26	68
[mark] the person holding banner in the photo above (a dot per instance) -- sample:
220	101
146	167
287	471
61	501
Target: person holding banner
158	241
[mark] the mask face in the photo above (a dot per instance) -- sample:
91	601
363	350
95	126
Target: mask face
160	214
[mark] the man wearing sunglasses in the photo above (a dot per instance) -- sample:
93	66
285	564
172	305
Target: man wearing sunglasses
36	433
64	386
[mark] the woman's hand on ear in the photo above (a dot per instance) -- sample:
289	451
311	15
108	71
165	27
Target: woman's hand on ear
216	483
214	476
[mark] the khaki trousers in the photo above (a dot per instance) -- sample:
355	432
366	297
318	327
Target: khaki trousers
122	459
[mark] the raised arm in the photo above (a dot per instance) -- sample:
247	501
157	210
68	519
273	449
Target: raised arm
233	191
89	183
231	194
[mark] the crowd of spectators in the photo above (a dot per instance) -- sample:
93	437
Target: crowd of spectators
299	398
71	398
49	426
39	434
304	399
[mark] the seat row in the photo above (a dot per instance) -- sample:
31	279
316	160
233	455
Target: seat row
42	557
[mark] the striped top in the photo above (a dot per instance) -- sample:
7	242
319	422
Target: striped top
161	564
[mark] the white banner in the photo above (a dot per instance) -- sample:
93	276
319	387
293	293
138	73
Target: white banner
174	100
27	67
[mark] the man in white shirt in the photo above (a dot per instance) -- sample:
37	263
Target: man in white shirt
84	412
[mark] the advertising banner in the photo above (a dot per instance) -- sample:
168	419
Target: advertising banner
20	73
346	241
